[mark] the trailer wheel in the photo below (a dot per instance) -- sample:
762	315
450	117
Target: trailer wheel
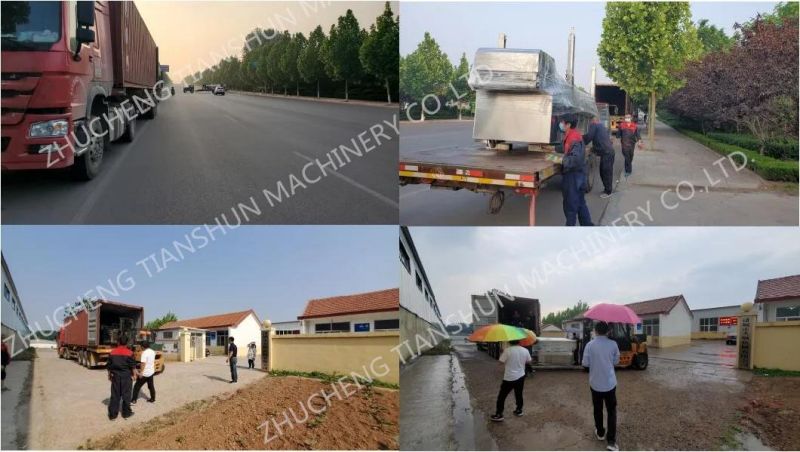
80	357
151	113
491	144
496	203
130	131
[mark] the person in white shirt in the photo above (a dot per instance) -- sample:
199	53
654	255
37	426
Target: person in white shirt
251	355
147	371
515	358
600	356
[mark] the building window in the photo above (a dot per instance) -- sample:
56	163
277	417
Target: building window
419	282
285	332
404	257
650	326
709	324
361	327
334	327
222	338
391	324
787	313
6	292
166	335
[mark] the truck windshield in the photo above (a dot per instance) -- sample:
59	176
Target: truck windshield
30	25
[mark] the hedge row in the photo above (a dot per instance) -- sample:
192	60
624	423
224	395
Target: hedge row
767	167
783	150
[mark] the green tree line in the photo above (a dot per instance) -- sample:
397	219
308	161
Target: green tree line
347	56
555	318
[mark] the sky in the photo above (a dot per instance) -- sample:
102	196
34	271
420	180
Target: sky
465	27
274	270
195	34
711	267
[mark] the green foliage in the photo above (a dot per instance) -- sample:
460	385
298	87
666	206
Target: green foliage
426	70
157	323
310	63
378	54
779	149
566	314
644	44
712	38
290	57
332	378
343	49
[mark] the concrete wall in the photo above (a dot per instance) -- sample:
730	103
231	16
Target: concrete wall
13	317
700	335
766	311
775	345
676	326
247	331
307	325
415	335
366	354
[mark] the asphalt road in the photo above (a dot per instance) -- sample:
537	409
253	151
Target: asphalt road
421	206
205	154
712	192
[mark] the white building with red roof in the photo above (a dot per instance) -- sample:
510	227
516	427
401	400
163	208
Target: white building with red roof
778	299
358	313
666	321
243	326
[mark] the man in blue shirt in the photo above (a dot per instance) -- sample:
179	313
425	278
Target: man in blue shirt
600	356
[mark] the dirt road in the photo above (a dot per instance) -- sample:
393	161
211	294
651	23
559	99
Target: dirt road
69	402
367	419
674	404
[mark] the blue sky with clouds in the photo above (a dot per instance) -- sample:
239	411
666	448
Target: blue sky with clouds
271	269
560	266
466	26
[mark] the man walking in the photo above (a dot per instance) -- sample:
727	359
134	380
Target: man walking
515	358
232	353
148	370
601	145
600	356
573	173
121	369
628	134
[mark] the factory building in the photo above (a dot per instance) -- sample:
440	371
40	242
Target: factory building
14	322
714	323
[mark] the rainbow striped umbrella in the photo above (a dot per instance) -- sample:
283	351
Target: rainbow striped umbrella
498	332
530	339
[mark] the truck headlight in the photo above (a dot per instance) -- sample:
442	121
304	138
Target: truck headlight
54	128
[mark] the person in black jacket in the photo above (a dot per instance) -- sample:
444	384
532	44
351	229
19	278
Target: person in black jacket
573	173
121	370
628	133
601	145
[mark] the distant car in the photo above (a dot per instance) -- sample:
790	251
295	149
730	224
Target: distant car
188	89
219	90
730	339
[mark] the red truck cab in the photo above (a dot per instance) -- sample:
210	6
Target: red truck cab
58	75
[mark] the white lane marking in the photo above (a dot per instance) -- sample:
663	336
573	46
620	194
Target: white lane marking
108	175
352	182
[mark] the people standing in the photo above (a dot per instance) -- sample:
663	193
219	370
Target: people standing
148	371
573	173
628	134
6	362
233	351
121	371
251	355
600	356
515	358
601	145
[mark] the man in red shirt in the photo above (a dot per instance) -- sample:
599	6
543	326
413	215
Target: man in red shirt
121	367
573	173
628	134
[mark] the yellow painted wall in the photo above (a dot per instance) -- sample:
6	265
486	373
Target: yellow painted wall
775	345
367	354
671	341
709	335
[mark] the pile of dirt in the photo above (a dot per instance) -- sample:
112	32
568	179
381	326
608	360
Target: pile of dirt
367	419
772	411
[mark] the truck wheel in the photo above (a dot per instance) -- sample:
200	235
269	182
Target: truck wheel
640	361
80	357
92	360
130	131
87	165
151	113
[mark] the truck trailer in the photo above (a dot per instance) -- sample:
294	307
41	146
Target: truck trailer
498	307
89	334
617	101
75	76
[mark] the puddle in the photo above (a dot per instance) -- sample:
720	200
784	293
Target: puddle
469	426
750	442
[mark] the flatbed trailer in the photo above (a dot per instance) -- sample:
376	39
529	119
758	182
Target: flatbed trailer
523	170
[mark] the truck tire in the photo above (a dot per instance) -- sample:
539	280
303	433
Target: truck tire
80	357
92	361
88	164
640	361
130	131
151	113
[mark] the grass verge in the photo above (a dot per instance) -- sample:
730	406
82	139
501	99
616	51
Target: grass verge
332	378
29	354
761	372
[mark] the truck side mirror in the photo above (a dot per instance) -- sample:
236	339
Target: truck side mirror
85	14
84	36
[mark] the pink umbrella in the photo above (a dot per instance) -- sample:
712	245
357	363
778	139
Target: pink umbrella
608	312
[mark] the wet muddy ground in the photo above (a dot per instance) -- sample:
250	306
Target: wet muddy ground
691	399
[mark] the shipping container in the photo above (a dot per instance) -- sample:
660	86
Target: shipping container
135	51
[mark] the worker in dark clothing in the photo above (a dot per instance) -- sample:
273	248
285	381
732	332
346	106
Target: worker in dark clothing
601	145
121	370
573	173
232	359
628	133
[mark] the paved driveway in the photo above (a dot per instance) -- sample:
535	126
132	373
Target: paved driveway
69	402
703	352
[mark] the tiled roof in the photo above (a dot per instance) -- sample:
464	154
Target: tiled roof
211	321
778	289
382	300
657	306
